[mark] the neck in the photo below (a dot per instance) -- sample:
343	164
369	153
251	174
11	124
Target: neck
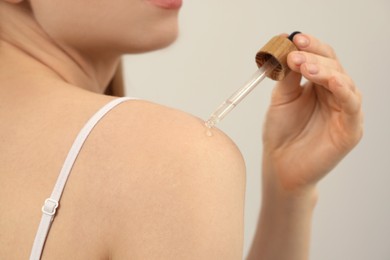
41	56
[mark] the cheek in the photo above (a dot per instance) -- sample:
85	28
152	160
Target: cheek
126	26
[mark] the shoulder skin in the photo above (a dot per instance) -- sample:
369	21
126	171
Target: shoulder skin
172	191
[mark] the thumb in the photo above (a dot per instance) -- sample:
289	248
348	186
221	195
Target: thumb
287	89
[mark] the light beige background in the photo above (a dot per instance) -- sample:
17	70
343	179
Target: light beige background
214	55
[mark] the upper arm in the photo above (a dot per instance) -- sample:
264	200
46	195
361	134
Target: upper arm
185	200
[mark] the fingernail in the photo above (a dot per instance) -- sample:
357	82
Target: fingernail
298	59
301	41
312	68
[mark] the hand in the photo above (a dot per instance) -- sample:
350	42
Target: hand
310	128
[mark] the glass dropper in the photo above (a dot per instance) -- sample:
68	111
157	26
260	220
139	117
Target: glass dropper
241	93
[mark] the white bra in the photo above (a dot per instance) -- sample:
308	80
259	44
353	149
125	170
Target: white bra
51	203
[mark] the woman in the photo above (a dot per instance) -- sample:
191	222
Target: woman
148	183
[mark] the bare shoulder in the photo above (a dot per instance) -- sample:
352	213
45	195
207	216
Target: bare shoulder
169	133
171	130
179	193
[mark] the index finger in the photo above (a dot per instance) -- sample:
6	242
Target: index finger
308	43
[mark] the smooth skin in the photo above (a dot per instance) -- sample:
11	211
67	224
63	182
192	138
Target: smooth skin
149	183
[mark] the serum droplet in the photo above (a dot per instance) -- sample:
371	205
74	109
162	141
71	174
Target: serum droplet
209	126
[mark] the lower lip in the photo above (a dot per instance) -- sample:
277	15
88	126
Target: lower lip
167	4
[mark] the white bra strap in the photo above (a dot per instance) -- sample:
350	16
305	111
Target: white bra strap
51	204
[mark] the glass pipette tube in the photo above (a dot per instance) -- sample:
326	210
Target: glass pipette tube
241	93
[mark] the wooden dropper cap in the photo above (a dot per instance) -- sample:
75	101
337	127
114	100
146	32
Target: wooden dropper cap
278	48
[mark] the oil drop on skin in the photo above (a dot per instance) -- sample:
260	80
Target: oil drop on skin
209	127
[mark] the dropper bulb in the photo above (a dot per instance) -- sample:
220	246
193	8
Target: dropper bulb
292	35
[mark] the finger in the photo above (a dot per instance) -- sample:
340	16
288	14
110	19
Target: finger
296	58
300	61
351	114
287	89
349	101
340	85
308	43
320	74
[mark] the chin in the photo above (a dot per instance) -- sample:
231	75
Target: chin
153	38
158	43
